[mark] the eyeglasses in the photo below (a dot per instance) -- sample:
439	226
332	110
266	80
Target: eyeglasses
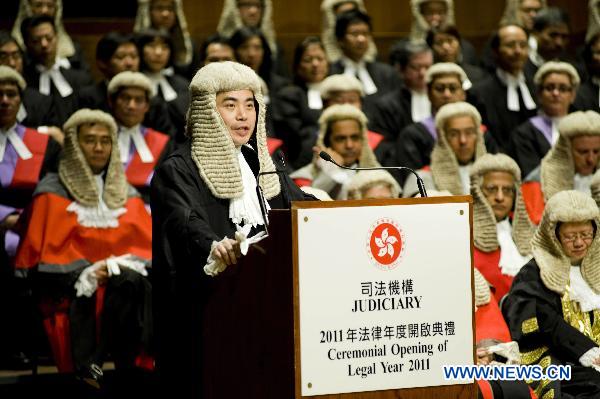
585	236
441	88
14	55
562	89
493	190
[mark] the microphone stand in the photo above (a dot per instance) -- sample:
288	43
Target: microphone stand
325	156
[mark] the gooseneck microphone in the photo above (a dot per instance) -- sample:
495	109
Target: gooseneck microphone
326	157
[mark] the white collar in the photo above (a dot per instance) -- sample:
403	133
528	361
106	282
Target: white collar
53	73
246	208
99	216
512	97
420	106
159	79
314	95
10	136
511	260
126	136
359	70
582	292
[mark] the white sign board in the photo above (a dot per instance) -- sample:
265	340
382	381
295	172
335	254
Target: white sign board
384	296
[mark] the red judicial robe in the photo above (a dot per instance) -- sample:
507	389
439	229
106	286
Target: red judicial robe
58	248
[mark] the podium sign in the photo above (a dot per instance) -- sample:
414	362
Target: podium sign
384	294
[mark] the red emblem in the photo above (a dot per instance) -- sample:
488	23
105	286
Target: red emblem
385	243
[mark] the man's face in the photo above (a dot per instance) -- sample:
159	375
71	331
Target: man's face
414	73
446	47
156	55
344	97
575	239
251	53
162	14
553	41
250	12
435	13
125	58
499	191
379	191
313	65
43	7
41	44
218	52
586	152
10	55
346	139
96	144
445	89
528	9
556	94
513	49
461	134
238	111
130	106
355	42
10	101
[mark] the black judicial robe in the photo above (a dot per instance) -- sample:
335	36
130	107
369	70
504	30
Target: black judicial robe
40	109
535	318
186	219
587	97
64	106
490	98
295	123
157	117
391	113
528	145
385	77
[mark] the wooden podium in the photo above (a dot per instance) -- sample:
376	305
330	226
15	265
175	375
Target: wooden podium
251	322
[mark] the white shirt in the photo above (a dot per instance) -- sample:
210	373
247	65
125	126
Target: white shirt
246	208
583	183
420	106
359	70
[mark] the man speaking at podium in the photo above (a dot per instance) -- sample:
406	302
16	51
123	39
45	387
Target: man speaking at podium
205	203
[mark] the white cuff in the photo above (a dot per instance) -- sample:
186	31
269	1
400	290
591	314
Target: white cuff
213	265
87	283
587	359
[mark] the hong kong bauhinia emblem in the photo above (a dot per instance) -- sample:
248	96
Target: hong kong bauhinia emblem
385	244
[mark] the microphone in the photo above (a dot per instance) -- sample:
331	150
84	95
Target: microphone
326	157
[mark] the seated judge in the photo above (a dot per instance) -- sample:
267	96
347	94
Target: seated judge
552	307
428	15
66	46
330	9
86	243
501	227
445	85
556	84
569	165
408	103
353	30
460	142
25	156
36	109
343	135
505	98
48	72
141	148
202	194
157	63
